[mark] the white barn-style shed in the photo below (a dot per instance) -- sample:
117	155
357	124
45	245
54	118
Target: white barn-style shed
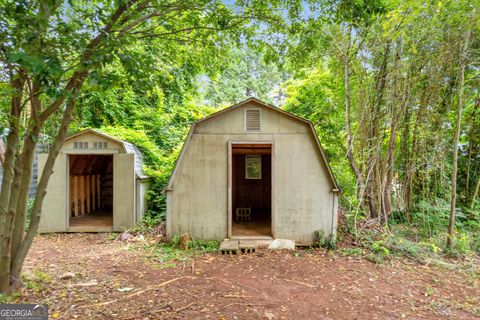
252	171
97	185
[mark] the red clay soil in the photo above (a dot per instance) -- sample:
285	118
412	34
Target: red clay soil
117	280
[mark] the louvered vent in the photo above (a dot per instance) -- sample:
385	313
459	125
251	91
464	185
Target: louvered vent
100	145
80	145
252	120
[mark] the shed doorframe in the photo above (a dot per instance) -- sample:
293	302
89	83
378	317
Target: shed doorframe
231	144
68	192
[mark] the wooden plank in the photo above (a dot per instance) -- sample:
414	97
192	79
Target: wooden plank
88	194
251	151
272	196
252	145
70	196
229	191
81	187
99	192
94	202
75	196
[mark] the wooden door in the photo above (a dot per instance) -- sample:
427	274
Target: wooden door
123	191
54	207
251	193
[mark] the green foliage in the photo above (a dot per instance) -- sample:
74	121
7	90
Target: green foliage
380	248
431	218
324	241
403	60
315	96
355	252
428	221
29	213
246	74
8	299
407	241
170	253
464	244
37	281
359	12
151	220
157	165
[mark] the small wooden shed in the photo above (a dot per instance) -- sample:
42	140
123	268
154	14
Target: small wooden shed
252	171
97	185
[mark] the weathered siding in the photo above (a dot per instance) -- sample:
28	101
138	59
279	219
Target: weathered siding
303	200
303	197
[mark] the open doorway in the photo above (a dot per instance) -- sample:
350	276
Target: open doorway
91	191
251	190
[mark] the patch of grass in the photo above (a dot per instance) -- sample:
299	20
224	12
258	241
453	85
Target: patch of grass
13	298
112	236
170	253
375	258
37	281
298	254
355	252
147	224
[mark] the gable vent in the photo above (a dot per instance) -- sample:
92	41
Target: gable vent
80	145
100	145
252	119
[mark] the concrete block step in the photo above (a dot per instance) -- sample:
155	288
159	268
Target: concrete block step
228	246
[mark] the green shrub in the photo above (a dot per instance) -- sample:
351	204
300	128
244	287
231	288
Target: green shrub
464	243
324	241
157	165
380	248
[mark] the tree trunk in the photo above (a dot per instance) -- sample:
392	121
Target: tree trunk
374	180
475	194
470	146
463	53
2	153
7	181
350	156
26	178
387	200
24	246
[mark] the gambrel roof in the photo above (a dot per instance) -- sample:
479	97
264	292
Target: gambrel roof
335	185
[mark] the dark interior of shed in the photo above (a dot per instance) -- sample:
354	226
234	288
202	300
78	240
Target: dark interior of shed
91	191
251	189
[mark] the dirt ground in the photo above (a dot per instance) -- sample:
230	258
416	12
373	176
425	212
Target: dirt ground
121	280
